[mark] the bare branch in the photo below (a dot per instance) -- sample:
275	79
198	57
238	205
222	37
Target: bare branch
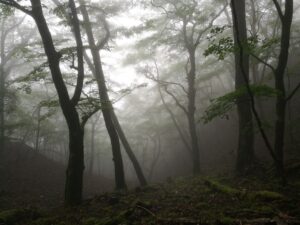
263	62
291	95
175	99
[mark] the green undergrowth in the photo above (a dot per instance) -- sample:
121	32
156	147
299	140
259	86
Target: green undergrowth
193	200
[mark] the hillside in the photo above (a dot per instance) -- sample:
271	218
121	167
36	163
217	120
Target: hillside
28	178
184	201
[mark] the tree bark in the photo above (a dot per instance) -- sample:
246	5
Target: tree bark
127	147
106	105
74	174
2	110
38	128
92	153
286	22
2	90
191	111
245	151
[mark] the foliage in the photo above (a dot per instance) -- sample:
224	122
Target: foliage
6	11
221	46
220	106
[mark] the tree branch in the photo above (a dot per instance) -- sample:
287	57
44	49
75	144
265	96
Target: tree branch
79	48
16	5
100	45
210	24
279	10
291	95
175	99
263	62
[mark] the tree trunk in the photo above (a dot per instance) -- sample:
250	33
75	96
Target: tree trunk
73	187
2	121
106	105
127	147
74	183
91	164
2	90
38	128
177	126
156	155
286	22
245	151
191	112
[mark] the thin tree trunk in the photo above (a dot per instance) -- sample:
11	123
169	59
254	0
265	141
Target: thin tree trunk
127	147
2	121
123	139
180	132
191	112
155	156
92	153
37	138
286	22
2	90
245	151
105	102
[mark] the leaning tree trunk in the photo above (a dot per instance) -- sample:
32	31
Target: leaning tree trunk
127	147
245	151
73	186
106	105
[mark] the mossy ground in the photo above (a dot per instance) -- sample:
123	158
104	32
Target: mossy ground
196	200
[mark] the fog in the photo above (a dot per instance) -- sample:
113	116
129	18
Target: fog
166	66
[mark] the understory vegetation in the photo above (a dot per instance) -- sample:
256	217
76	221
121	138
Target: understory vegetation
190	200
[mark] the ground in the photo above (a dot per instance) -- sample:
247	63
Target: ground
28	178
193	200
31	193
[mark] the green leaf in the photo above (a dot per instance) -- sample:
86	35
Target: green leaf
220	106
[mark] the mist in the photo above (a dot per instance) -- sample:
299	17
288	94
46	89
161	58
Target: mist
124	107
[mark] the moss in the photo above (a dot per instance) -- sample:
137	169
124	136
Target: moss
47	221
266	210
216	186
91	221
267	195
226	220
10	217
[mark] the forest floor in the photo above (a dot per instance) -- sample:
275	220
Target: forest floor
193	200
29	178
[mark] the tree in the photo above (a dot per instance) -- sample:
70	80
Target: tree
101	45
286	18
74	175
183	26
104	98
9	48
277	152
245	151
